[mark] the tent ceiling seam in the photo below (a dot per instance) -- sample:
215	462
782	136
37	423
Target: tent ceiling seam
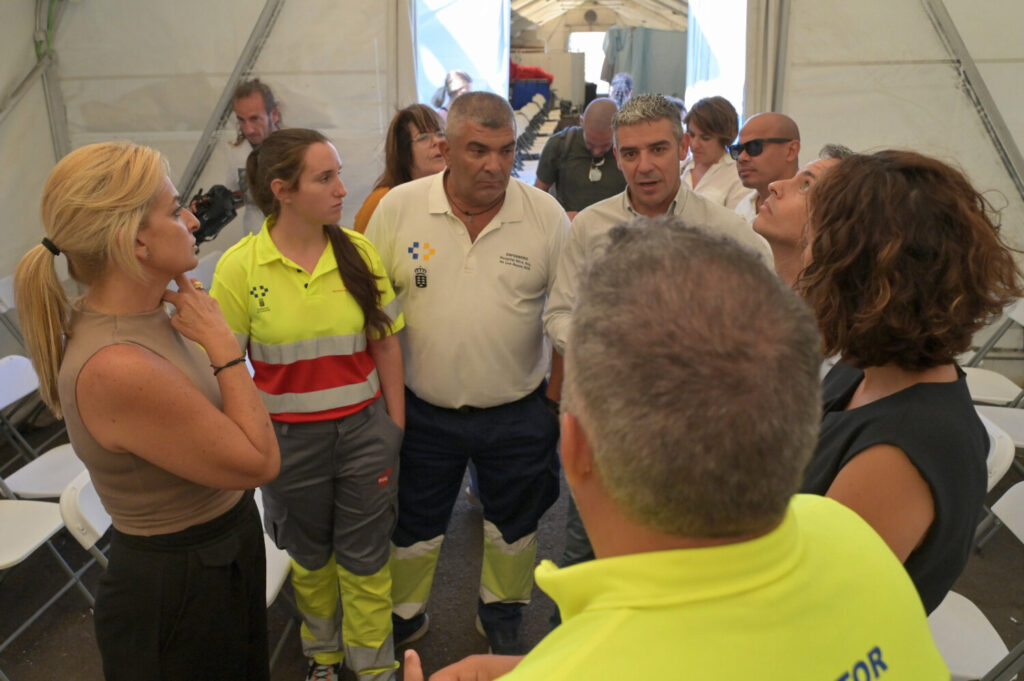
246	60
973	85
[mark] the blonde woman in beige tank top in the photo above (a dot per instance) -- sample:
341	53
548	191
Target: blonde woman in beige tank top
162	411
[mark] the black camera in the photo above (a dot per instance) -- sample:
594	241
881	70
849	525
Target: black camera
214	209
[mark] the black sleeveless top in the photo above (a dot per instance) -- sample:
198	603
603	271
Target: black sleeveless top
937	427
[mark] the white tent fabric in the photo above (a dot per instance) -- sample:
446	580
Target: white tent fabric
153	73
876	74
869	74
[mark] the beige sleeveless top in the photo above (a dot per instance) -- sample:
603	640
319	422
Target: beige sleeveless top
141	498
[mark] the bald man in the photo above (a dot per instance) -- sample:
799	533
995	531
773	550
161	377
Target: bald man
580	162
768	150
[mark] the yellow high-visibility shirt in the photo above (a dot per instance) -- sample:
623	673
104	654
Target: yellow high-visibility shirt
821	597
303	330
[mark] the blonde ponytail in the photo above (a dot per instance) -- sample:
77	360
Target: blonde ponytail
43	314
94	202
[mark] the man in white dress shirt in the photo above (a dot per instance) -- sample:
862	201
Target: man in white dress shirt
649	144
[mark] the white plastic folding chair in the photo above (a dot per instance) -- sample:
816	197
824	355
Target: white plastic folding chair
1006	669
967	641
1001	452
25	526
84	515
7	309
991	387
18	383
279	565
46	473
46	476
1010	510
1009	419
1014	317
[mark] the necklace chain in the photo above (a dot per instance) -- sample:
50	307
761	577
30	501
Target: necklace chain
466	212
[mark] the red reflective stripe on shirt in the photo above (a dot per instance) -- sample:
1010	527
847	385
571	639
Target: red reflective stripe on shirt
309	375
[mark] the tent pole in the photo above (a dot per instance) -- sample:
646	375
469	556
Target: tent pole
56	112
11	100
977	91
208	140
781	47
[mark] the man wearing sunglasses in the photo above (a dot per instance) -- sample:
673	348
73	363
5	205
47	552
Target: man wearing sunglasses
768	150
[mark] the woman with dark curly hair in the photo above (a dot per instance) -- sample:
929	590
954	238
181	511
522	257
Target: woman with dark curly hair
412	150
904	264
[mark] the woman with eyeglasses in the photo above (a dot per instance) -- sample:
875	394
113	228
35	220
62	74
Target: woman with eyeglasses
711	124
904	263
411	151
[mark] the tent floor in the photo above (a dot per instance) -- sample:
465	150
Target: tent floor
62	642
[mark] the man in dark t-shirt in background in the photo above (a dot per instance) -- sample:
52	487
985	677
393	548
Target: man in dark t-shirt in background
579	160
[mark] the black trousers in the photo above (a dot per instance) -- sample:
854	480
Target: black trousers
187	605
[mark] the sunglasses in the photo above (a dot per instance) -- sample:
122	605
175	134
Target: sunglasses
755	147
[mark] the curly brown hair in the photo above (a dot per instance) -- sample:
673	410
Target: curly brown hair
906	261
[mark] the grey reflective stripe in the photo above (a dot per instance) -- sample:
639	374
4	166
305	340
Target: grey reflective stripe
417	550
372	664
409	610
392	309
488	597
326	634
322	400
243	340
492	532
311	348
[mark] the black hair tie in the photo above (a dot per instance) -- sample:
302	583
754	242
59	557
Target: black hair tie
50	246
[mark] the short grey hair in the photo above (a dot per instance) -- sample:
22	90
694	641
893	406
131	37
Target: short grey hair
648	109
483	108
693	371
835	151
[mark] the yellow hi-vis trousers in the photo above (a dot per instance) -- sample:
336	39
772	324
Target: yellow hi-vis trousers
360	631
505	576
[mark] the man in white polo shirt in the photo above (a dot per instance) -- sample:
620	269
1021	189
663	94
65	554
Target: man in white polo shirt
649	144
472	256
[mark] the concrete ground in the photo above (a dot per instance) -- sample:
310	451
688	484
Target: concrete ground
61	644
